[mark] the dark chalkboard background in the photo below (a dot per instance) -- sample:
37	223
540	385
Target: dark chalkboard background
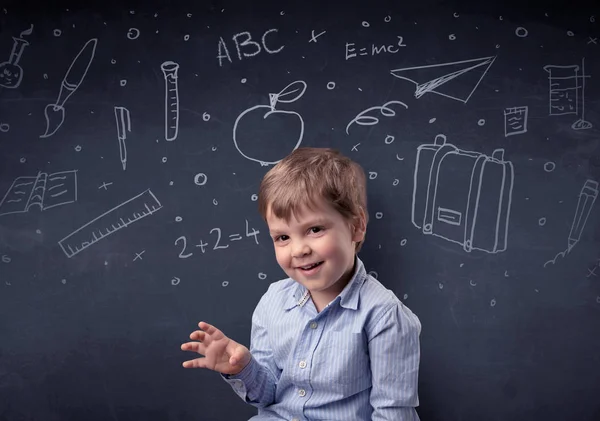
91	319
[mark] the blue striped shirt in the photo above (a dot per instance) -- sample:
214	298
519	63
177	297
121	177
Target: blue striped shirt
358	359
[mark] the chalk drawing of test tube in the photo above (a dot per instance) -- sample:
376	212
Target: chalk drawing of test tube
170	69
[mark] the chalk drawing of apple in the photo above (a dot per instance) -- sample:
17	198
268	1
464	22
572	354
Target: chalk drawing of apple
269	132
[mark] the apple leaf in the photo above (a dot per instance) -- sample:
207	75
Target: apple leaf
290	92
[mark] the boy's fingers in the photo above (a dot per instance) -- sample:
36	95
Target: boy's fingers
194	347
197	335
195	363
210	329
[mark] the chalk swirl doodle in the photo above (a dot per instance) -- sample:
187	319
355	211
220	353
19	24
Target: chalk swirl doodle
363	119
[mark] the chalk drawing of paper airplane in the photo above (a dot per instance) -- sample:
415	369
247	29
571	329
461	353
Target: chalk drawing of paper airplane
463	196
457	80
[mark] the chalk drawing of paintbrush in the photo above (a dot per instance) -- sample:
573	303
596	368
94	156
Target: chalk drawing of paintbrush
55	113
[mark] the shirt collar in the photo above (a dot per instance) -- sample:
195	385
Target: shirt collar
349	295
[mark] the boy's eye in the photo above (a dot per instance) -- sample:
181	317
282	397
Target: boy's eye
281	238
316	230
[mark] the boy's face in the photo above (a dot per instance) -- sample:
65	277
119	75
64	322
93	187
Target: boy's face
316	248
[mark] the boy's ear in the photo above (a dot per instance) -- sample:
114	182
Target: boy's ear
359	227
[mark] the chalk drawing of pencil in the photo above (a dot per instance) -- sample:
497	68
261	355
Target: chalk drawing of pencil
587	197
123	126
170	69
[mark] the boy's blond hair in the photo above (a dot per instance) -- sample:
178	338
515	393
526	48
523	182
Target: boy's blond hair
309	174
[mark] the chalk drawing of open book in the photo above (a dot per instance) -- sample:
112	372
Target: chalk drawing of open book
42	191
457	80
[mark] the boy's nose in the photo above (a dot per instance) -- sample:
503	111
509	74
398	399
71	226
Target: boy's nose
300	249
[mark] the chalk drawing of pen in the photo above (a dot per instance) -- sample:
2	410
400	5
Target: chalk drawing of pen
55	113
123	126
587	197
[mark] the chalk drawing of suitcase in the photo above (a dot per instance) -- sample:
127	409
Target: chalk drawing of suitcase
463	196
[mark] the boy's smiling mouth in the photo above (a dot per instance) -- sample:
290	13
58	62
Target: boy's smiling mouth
309	267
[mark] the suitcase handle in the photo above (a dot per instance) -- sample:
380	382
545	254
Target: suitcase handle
498	154
440	139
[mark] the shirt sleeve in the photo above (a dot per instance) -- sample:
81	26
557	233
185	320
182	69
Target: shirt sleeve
394	351
257	382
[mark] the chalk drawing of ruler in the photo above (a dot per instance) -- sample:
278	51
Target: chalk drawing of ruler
121	216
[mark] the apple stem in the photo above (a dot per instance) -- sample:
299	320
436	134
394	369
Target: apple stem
273	100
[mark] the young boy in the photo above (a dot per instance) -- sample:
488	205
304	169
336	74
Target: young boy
330	342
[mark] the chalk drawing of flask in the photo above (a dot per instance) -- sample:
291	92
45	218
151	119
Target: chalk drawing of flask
170	69
10	71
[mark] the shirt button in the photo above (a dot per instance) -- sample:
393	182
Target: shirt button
302	392
302	364
313	325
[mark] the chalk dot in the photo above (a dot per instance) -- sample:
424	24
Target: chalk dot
206	116
254	197
200	179
215	202
372	175
330	85
598	299
452	37
78	148
282	13
189	15
592	19
105	263
38	231
472	283
501	18
378	215
373	274
133	33
441	286
4	127
57	32
175	281
170	183
403	242
224	283
389	139
244	80
506	274
64	281
570	33
521	32
122	82
365	24
164	159
432	120
396	182
387	19
178	219
549	166
461	265
493	302
405	296
214	148
22	160
132	12
542	221
186	37
262	275
481	122
497	45
46	76
456	14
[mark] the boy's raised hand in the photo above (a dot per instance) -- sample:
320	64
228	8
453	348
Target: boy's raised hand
221	354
